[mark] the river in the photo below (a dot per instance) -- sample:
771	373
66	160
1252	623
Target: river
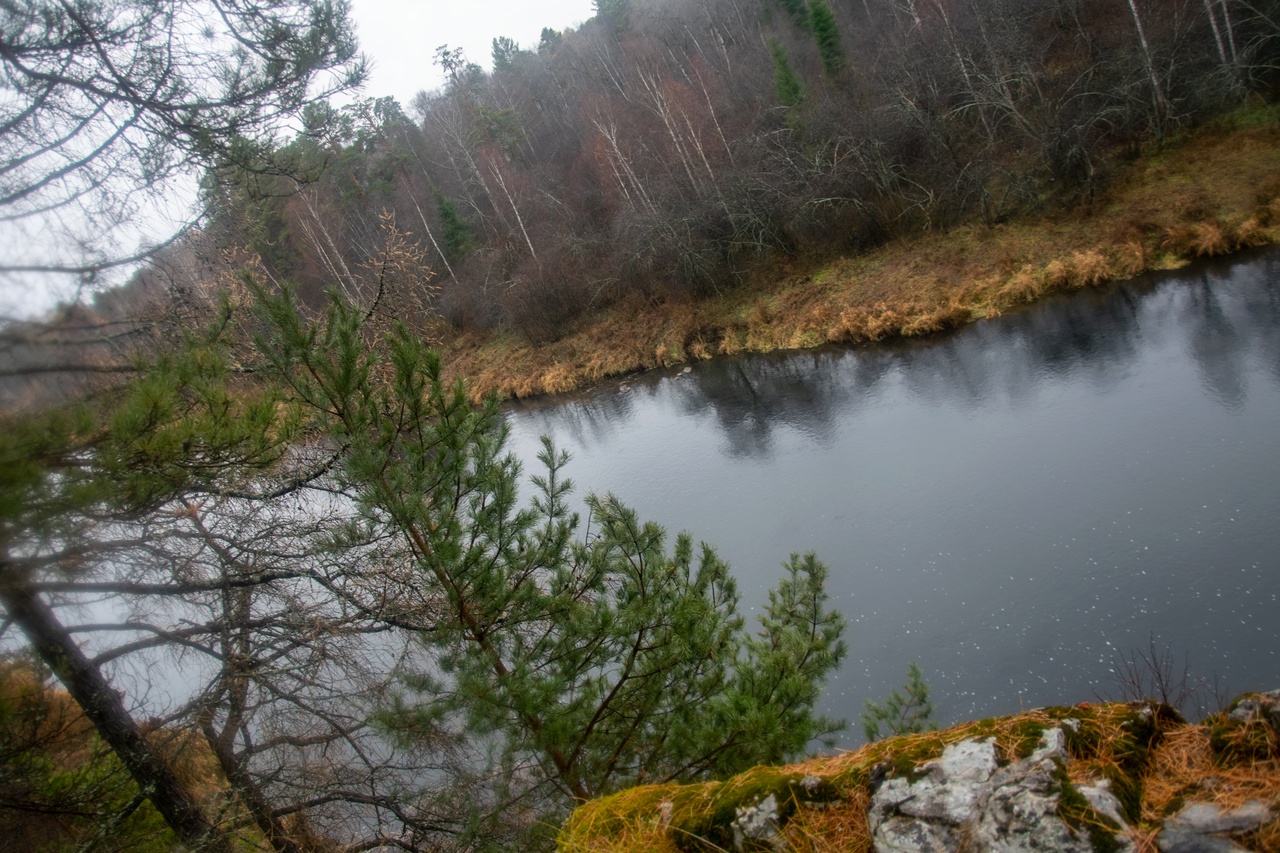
1016	505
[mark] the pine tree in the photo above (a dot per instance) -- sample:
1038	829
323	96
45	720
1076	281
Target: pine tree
504	53
592	659
901	714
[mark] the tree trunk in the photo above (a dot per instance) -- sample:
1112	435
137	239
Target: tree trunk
105	709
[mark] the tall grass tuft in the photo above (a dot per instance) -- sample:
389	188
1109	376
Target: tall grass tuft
1023	286
1198	240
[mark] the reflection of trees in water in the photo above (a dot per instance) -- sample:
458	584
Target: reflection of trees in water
750	398
1220	353
1263	303
1231	316
1227	314
586	421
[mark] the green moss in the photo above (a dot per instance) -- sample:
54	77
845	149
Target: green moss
1075	811
713	828
1241	743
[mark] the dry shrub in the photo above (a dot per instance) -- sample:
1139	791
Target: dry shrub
559	379
851	326
1211	240
734	341
820	318
702	342
884	322
923	324
1179	240
1080	269
948	316
665	356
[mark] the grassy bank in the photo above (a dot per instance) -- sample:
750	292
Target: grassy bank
1213	192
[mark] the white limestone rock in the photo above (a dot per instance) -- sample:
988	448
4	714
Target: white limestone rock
965	800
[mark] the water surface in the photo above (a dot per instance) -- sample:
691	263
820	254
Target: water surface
1014	505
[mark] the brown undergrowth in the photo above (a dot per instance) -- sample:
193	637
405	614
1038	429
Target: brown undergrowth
1215	193
1153	762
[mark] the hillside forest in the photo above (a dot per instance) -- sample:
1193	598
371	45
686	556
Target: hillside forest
670	149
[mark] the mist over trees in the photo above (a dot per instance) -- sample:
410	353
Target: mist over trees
671	148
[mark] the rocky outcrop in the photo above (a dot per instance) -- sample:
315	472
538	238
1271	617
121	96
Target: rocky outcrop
965	799
1120	777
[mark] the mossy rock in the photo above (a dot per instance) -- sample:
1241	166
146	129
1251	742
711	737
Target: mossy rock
1077	813
718	827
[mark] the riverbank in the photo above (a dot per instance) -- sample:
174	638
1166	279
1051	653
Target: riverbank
1115	777
1215	192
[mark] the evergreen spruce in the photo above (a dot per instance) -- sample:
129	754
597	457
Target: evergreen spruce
797	11
790	94
456	232
827	34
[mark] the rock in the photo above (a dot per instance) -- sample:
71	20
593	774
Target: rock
965	800
1258	706
1208	819
1178	841
758	824
1102	801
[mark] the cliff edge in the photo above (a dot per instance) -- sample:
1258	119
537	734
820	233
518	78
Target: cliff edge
1093	777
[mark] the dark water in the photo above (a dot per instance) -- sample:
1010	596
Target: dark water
1015	505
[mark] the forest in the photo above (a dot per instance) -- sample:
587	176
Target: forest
672	149
269	578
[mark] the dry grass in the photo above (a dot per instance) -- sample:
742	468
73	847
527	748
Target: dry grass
1186	768
841	828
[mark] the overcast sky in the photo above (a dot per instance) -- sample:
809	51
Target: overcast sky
400	38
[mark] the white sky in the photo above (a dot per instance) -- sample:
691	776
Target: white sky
400	38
